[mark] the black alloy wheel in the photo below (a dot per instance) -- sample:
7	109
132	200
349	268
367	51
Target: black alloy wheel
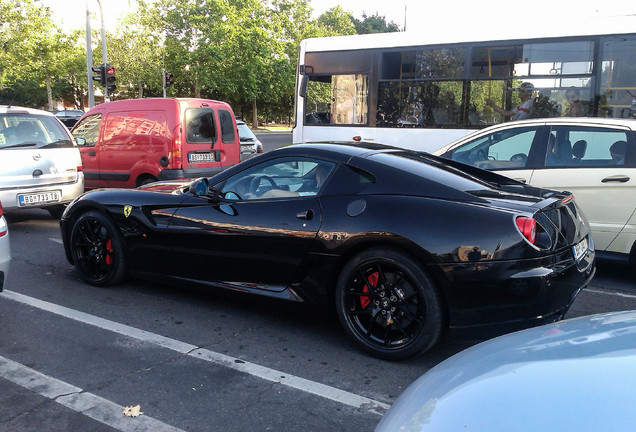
96	248
388	305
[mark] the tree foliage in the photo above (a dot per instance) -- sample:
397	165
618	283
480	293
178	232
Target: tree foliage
241	51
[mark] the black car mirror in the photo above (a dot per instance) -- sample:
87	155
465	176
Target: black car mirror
199	187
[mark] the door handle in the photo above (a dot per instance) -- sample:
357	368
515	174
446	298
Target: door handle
616	178
306	215
91	153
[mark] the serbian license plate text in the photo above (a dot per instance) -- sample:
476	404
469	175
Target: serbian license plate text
580	249
200	157
39	198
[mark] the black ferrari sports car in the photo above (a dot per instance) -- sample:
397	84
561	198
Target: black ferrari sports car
403	244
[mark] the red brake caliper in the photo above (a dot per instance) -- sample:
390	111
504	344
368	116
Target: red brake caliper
373	281
109	248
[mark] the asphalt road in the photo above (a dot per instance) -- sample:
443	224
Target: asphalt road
72	356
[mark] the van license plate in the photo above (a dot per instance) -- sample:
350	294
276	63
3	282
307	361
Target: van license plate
200	157
580	249
39	198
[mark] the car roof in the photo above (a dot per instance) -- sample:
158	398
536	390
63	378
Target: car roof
8	109
551	121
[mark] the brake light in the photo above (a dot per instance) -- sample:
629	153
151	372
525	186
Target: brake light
176	154
80	168
3	223
528	228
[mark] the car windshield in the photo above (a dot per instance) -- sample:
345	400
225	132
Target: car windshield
245	133
20	130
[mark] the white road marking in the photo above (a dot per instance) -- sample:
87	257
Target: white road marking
612	293
75	398
318	389
56	240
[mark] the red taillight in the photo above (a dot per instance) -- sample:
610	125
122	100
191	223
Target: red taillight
80	168
528	228
3	225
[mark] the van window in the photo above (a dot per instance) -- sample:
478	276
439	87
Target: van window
227	126
88	129
136	128
200	126
32	130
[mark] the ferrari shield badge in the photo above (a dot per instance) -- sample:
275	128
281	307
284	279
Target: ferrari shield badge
127	210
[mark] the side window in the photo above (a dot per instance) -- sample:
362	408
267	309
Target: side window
337	99
138	128
200	126
506	149
227	126
585	147
88	129
279	178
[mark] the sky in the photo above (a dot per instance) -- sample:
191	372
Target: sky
415	13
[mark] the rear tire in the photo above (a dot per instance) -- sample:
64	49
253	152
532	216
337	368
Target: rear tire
388	305
96	247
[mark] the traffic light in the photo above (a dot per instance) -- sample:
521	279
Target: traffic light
168	79
110	78
99	70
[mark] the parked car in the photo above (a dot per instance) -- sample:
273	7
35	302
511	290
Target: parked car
404	245
40	165
132	142
250	144
5	249
594	158
69	116
575	375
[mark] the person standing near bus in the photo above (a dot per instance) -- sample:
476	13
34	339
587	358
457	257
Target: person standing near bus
524	109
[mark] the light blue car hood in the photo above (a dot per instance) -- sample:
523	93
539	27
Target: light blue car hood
574	375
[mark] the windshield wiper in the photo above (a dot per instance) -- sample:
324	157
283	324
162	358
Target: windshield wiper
58	143
24	144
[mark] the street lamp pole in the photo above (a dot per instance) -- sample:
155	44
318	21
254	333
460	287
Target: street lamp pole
89	56
105	61
89	60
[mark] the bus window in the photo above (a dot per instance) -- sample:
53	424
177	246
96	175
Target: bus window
419	104
618	77
337	99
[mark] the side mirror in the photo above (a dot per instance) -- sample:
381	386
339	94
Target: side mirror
199	187
80	141
302	91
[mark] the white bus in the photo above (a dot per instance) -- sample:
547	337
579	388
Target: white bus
421	91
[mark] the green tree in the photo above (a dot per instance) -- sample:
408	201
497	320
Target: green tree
374	24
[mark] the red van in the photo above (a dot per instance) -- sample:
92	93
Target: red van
132	142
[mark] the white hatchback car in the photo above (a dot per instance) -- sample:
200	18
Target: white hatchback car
594	158
40	165
5	249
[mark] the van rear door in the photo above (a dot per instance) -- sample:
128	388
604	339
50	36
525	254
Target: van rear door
210	141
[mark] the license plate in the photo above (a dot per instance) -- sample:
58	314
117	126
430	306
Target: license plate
580	249
200	157
39	198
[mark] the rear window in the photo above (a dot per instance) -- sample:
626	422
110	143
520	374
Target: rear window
227	126
200	126
20	130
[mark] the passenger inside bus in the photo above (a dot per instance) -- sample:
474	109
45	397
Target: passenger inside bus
524	109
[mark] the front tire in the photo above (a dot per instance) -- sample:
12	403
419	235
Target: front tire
388	305
97	249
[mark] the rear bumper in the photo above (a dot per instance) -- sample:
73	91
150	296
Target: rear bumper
181	174
511	295
69	191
